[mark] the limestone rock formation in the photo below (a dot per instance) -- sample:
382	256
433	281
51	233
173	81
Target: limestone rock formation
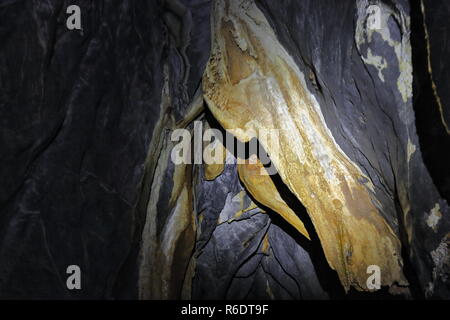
347	100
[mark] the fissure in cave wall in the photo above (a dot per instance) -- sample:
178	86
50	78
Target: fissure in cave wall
88	177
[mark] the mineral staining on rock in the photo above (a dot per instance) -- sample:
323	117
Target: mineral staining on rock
252	83
392	24
434	217
238	207
441	260
377	61
218	154
410	149
263	189
88	174
435	27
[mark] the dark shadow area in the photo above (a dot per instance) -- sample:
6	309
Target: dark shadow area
328	278
434	140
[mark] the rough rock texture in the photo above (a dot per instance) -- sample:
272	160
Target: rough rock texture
84	115
431	87
252	83
260	185
87	123
432	107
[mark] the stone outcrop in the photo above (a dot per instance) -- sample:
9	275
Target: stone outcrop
351	111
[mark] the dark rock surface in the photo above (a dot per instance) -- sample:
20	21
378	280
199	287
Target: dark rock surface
431	87
248	256
437	29
78	109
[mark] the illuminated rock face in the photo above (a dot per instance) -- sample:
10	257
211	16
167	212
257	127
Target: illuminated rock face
349	149
251	82
260	185
87	176
245	252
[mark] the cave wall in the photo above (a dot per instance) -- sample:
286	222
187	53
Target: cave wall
87	175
